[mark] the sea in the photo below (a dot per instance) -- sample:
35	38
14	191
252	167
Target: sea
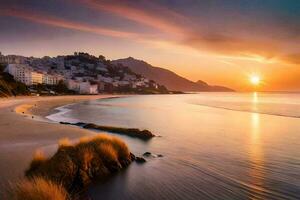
213	145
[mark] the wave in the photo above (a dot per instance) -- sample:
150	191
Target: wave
251	110
60	115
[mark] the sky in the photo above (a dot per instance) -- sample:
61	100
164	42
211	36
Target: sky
220	42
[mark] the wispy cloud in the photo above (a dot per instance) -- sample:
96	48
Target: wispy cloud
160	18
178	30
187	32
67	24
292	58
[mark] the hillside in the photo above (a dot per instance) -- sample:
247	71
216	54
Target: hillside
166	77
79	73
10	87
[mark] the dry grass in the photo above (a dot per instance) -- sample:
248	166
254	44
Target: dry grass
75	166
85	156
84	139
37	189
39	155
108	152
121	148
64	142
113	146
38	159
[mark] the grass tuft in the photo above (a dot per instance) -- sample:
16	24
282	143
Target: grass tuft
64	142
108	152
37	189
38	159
76	165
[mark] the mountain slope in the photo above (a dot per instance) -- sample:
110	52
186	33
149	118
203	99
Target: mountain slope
166	77
10	87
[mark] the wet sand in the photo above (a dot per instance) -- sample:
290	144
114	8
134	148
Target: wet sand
20	136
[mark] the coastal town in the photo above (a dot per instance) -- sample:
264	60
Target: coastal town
80	73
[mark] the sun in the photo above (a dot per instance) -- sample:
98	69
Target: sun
255	80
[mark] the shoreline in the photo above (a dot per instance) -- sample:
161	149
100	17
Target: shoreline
22	135
43	108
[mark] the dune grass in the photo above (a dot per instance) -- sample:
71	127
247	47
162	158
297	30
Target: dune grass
77	165
38	159
64	142
37	189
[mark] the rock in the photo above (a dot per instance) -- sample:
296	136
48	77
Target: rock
147	154
66	123
132	132
132	156
140	160
79	124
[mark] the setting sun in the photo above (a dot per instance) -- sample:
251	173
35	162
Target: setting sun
255	80
214	93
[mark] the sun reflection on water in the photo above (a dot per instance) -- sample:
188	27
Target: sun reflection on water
254	101
256	171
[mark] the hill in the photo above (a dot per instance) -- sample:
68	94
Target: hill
168	78
10	87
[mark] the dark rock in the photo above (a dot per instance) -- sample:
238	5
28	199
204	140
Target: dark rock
132	132
147	154
79	124
66	123
140	160
132	156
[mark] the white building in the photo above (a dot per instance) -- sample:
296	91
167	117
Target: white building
36	78
105	79
73	85
87	88
20	73
25	74
128	77
51	79
124	83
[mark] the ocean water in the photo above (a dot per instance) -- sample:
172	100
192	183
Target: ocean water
214	145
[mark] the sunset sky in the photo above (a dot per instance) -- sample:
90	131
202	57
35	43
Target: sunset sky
220	43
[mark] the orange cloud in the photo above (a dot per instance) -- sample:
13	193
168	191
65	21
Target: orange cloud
188	33
217	44
292	58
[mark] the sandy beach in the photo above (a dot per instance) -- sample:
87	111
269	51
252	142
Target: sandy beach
21	136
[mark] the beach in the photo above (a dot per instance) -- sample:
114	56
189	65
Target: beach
246	145
20	136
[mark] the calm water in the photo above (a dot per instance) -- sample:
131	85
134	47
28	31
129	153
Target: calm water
215	145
